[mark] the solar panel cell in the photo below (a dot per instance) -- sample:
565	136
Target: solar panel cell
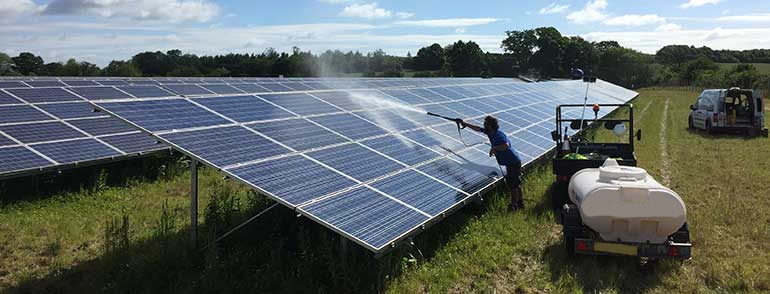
251	88
280	177
298	134
390	121
367	215
43	95
226	146
20	158
76	83
41	132
76	150
356	161
406	96
5	141
275	87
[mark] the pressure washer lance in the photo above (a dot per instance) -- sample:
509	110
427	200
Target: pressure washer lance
460	126
458	121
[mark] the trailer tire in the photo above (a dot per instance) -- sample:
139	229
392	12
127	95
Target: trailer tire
569	245
682	235
708	127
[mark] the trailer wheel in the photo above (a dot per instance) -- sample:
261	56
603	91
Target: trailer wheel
708	127
682	235
569	245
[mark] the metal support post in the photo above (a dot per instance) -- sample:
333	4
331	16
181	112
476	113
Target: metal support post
194	202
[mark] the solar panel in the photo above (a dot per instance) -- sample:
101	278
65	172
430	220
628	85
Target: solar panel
102	126
20	158
45	84
71	110
188	89
299	134
20	113
134	143
222	89
145	91
100	93
75	83
371	172
300	103
43	95
40	132
9	84
244	108
76	150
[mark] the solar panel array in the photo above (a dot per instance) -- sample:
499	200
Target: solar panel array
47	124
360	161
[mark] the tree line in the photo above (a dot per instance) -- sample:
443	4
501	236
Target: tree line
540	53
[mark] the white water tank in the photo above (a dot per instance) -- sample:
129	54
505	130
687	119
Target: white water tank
624	203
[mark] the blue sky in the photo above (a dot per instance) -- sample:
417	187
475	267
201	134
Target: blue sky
102	30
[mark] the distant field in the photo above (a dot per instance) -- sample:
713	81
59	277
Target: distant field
763	68
78	242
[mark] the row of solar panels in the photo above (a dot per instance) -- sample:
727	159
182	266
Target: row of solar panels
55	127
362	163
279	84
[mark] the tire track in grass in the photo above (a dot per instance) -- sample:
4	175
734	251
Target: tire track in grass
644	110
665	165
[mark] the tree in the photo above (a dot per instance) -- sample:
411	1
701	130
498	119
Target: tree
691	69
119	68
429	58
465	59
520	45
7	67
29	64
547	58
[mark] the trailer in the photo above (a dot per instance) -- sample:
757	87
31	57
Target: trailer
605	204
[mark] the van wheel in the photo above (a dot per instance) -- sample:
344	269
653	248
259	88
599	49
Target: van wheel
708	127
690	124
569	245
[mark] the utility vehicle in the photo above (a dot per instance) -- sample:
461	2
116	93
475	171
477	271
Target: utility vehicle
728	110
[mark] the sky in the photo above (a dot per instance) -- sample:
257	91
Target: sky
99	31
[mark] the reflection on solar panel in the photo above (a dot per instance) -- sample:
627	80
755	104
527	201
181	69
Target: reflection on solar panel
369	171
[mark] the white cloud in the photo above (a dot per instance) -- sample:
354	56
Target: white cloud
11	9
634	20
553	8
669	27
764	17
369	10
698	3
100	46
460	30
404	14
719	33
448	22
592	12
172	11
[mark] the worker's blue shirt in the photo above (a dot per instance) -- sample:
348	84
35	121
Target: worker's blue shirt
508	157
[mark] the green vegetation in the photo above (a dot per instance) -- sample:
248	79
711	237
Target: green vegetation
762	68
134	237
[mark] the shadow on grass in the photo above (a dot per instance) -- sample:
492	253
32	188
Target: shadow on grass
725	135
113	174
279	252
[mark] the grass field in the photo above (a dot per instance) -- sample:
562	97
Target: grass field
762	68
80	242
